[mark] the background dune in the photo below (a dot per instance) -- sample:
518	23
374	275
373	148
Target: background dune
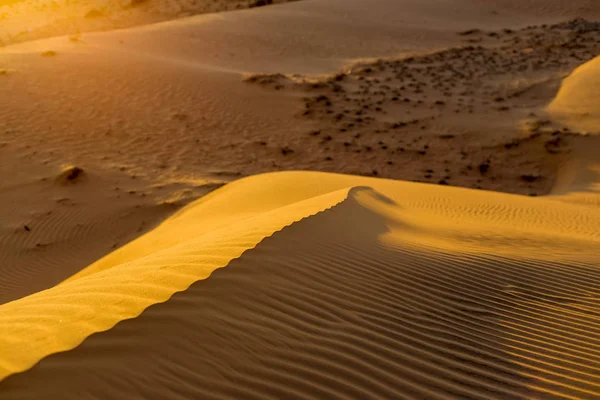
25	20
575	104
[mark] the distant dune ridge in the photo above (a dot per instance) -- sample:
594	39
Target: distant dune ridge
140	260
25	20
575	104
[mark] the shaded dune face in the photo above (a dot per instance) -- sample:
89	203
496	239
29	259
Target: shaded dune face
325	309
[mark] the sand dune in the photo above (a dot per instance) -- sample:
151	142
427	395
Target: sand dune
26	20
399	289
155	113
575	104
301	284
52	226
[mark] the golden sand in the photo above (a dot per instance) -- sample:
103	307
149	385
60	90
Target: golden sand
146	254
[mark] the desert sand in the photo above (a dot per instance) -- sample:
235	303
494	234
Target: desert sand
313	199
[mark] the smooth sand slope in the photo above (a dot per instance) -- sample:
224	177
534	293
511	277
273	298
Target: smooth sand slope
26	20
395	289
158	116
575	106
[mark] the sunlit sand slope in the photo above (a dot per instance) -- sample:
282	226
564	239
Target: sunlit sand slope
291	284
577	101
576	106
89	303
397	289
25	20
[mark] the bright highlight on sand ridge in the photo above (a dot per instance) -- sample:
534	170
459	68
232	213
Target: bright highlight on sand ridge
389	223
319	199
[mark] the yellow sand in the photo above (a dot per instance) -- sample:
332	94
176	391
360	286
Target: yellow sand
576	104
328	286
576	107
114	289
211	232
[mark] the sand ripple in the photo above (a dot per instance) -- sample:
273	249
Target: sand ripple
353	302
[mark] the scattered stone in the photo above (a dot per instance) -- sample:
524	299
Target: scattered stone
469	79
70	174
484	168
470	32
510	145
286	150
530	178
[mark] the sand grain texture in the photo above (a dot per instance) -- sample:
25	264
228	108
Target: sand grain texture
159	115
139	259
376	297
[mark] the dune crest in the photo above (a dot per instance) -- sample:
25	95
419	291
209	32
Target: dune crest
396	248
576	104
72	312
294	284
576	107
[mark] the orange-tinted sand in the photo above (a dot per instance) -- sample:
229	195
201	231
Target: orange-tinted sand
158	239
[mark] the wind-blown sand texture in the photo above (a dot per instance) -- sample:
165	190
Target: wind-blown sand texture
305	284
334	286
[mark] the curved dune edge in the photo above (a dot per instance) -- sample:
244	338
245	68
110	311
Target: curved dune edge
355	302
210	233
60	318
576	104
576	107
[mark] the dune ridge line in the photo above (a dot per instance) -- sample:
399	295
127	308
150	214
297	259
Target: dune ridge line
85	305
342	305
